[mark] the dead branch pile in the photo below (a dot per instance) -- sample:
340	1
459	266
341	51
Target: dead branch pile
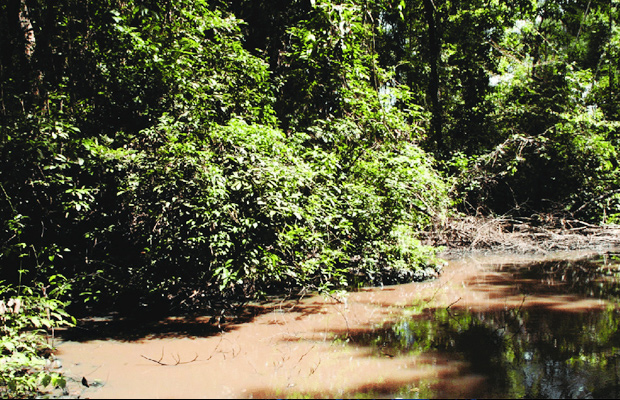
521	235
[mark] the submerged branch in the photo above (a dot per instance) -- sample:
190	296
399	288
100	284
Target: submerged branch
177	360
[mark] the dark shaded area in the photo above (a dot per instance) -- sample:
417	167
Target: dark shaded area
596	277
132	329
156	320
148	324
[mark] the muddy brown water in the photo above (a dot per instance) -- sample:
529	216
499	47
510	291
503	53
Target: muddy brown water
490	326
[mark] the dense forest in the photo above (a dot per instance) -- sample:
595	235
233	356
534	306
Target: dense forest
181	153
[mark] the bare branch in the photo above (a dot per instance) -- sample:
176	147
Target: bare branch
177	360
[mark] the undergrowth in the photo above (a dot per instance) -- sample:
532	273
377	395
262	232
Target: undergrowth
29	316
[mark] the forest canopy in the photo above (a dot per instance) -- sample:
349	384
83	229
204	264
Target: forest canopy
155	149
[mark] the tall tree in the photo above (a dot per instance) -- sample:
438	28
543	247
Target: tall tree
434	55
17	54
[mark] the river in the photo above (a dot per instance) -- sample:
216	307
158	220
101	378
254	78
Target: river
490	326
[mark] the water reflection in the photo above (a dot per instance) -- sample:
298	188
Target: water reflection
527	351
593	277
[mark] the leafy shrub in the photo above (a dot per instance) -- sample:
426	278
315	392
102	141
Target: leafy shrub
28	315
245	208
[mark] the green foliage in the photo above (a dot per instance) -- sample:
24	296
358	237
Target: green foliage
249	207
166	150
28	317
154	77
550	134
150	148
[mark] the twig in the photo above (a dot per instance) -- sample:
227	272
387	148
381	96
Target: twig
177	359
313	370
305	354
450	305
346	322
215	349
453	303
601	197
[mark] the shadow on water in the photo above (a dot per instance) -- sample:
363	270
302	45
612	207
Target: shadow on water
592	277
531	350
148	326
127	329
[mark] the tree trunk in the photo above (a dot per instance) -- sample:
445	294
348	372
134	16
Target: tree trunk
20	47
610	70
433	83
26	29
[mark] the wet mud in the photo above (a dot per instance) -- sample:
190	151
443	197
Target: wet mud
489	326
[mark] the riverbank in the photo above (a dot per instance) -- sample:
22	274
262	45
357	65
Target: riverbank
466	234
